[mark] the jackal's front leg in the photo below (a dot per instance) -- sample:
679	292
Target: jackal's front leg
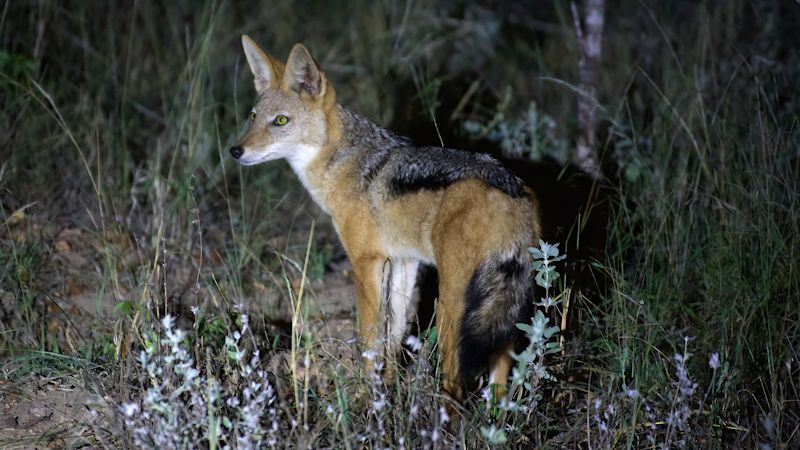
399	293
367	272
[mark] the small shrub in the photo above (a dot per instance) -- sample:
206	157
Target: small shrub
185	407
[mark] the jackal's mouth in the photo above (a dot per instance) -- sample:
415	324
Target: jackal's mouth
253	158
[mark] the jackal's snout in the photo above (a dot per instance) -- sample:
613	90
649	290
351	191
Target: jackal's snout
237	151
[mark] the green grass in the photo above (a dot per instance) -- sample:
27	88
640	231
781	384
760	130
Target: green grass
116	122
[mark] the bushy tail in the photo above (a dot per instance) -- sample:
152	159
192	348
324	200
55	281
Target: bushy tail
499	296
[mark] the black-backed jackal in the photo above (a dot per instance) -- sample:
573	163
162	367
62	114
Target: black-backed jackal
391	201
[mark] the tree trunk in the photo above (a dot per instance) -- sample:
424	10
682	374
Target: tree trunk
589	30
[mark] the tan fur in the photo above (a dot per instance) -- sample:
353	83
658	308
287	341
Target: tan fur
455	227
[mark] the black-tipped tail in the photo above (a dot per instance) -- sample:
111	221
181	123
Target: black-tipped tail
499	296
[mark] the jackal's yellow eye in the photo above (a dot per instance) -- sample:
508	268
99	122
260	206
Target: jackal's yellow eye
252	115
281	120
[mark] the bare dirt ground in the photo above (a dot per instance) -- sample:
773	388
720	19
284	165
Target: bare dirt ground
70	407
48	413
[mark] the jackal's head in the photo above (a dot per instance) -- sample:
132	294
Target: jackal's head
290	117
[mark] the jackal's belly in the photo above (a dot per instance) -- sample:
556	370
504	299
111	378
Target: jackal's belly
405	225
401	247
406	240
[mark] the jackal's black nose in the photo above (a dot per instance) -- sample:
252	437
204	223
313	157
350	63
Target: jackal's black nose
237	152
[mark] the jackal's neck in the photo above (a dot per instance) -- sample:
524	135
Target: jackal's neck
361	133
368	143
357	149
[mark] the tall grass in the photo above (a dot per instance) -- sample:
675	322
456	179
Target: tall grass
706	236
116	119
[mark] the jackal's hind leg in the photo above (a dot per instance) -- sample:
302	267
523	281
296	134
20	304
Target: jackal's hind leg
449	311
499	366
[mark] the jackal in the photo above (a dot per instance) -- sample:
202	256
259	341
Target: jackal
396	205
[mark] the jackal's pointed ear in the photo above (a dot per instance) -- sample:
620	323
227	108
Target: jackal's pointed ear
265	69
302	74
